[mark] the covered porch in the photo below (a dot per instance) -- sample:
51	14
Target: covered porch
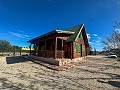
56	48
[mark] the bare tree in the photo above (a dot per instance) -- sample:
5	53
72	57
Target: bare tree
113	41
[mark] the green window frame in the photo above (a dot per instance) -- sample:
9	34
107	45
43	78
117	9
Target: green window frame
77	48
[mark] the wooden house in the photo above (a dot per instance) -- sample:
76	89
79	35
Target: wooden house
65	44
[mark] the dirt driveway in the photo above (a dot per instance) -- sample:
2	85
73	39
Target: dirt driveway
97	73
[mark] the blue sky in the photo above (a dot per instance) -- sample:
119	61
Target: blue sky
22	20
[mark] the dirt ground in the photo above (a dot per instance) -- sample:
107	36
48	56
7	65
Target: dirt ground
97	73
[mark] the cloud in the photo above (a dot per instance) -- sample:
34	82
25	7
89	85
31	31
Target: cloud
118	2
99	38
88	36
20	31
91	43
19	35
117	30
95	35
25	35
98	44
97	41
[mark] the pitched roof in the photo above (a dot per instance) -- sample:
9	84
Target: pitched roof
77	30
74	32
52	32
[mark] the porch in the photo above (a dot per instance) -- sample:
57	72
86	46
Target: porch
56	48
51	53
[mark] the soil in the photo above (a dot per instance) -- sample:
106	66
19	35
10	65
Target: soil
97	73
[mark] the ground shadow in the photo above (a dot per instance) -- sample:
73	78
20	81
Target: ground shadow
15	59
113	83
8	85
109	57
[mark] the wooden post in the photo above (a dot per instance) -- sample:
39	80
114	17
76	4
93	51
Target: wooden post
62	49
55	47
38	49
20	50
14	50
86	50
30	48
34	49
71	50
45	48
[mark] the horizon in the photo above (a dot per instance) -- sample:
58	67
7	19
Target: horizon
21	21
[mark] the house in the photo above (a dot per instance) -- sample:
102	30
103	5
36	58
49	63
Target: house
60	46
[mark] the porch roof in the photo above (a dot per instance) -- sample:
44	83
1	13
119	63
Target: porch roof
52	32
73	32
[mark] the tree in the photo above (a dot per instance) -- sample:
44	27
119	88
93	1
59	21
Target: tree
94	51
89	50
112	42
5	46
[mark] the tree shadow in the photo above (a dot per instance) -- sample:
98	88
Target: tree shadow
15	59
112	83
6	84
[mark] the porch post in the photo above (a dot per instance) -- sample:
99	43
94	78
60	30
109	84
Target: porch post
55	47
34	49
45	48
62	49
71	50
30	49
38	49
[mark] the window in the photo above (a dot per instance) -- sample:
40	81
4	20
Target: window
80	36
77	48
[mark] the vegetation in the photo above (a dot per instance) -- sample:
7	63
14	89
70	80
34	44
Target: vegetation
89	50
112	42
5	46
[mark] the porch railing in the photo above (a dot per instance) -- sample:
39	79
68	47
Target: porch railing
51	53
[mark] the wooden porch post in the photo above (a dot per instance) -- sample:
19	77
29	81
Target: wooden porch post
38	49
55	47
14	50
30	49
71	50
62	49
45	48
20	50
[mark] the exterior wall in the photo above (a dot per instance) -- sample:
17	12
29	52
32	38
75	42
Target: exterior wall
69	49
81	53
42	51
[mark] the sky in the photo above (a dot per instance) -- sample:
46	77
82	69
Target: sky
22	20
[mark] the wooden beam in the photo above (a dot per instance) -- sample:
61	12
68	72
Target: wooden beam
55	47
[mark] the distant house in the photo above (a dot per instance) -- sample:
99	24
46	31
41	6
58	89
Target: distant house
26	49
62	45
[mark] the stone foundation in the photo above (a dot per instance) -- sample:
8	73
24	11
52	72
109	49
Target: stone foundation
58	62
